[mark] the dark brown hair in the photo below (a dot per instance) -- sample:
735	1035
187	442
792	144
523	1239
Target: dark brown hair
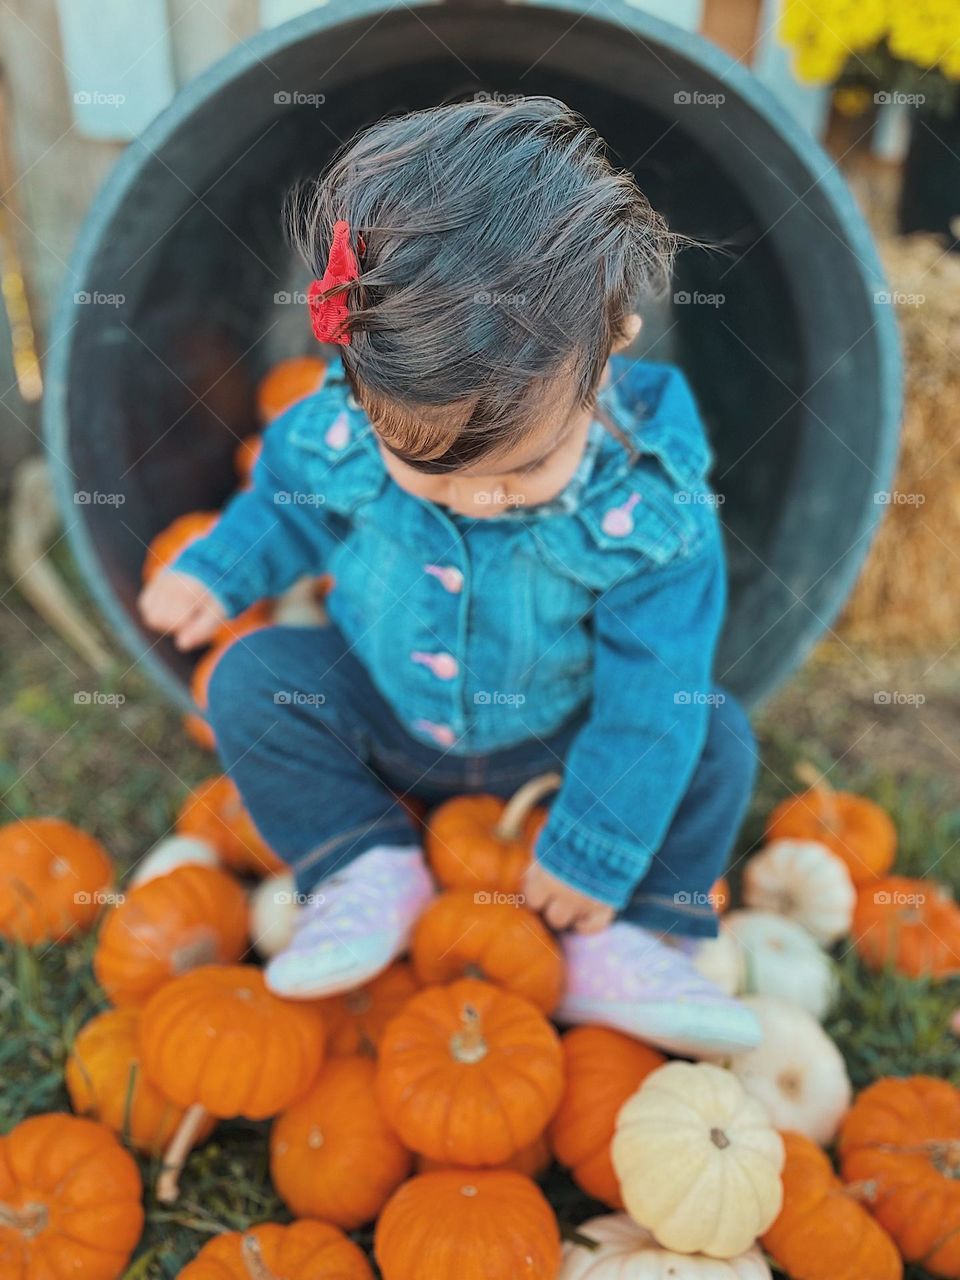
502	252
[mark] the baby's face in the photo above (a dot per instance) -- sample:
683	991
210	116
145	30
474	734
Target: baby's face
531	472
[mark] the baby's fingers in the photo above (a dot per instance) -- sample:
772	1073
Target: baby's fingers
199	627
594	919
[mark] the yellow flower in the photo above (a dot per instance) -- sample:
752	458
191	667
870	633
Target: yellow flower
852	100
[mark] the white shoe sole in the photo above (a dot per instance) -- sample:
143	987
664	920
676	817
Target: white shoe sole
690	1030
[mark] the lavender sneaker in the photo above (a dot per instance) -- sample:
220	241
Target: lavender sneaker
628	979
360	921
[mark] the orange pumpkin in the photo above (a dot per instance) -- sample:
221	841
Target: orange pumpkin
217	1042
466	934
214	812
53	877
823	1231
254	618
286	383
531	1160
69	1201
198	731
910	924
720	895
480	842
301	1251
245	457
858	831
192	916
472	1225
198	727
105	1081
468	1074
356	1019
603	1069
900	1142
176	537
332	1154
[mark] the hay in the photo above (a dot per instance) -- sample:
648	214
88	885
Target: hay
907	597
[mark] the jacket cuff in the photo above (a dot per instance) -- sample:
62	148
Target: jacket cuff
229	583
589	861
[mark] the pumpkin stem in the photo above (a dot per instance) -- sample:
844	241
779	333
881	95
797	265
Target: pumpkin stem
192	954
510	826
253	1260
719	1139
29	1219
865	1191
468	1045
817	782
168	1184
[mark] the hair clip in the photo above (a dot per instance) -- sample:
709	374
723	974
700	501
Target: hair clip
330	314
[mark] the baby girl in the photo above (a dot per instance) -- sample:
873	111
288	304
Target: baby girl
527	563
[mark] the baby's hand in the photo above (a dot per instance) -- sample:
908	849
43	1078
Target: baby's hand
561	906
176	603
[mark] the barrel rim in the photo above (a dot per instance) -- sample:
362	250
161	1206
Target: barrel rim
692	47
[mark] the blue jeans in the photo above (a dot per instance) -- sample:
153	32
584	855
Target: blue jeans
320	760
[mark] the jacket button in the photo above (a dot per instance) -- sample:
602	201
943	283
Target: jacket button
448	575
441	733
443	665
618	521
338	433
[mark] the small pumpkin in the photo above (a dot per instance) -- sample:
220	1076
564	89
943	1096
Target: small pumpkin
246	456
783	960
176	537
823	1232
698	1160
901	1142
105	1081
356	1020
532	1160
217	1042
721	961
856	829
468	1074
214	811
287	382
301	1251
909	923
198	730
804	881
253	618
479	842
623	1250
273	913
70	1200
466	934
797	1071
170	853
192	916
473	1225
332	1154
53	878
602	1069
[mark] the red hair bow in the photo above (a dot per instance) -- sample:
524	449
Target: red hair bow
329	315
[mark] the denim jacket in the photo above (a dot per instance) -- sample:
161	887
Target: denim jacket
604	603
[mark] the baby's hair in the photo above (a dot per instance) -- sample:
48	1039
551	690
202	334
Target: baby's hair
500	255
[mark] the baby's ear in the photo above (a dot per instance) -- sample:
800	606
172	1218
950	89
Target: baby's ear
628	331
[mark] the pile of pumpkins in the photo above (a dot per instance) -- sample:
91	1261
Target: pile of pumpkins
430	1101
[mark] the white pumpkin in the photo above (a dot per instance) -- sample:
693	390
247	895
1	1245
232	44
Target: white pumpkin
797	1072
629	1252
273	910
698	1160
782	959
300	606
175	851
722	961
804	881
